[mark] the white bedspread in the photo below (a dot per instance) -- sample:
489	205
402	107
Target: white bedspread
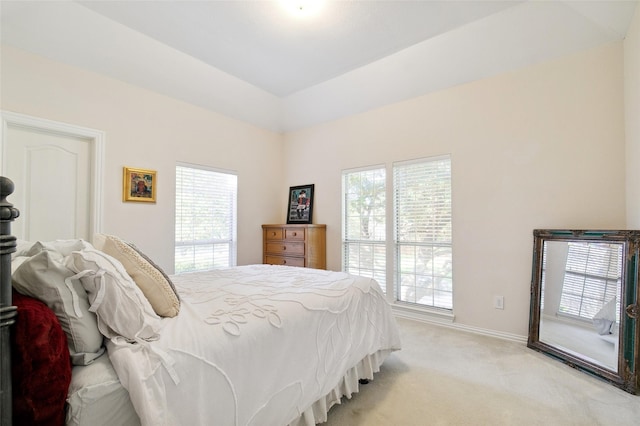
254	345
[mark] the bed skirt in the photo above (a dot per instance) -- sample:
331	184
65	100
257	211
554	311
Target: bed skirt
97	403
349	385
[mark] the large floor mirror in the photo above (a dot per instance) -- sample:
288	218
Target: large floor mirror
584	301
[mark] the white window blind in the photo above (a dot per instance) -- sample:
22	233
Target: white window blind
422	207
592	278
364	223
205	234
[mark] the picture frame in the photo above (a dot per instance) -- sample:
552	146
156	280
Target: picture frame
300	204
139	185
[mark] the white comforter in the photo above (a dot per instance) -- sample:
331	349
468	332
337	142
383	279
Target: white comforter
255	345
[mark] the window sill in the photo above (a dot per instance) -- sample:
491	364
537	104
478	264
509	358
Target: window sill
425	314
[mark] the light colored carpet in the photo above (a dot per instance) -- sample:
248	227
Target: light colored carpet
444	376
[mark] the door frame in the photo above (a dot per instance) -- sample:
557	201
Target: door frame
96	138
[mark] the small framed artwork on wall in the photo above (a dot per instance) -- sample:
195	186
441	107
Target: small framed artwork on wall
300	204
139	185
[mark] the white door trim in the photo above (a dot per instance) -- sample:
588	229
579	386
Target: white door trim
96	137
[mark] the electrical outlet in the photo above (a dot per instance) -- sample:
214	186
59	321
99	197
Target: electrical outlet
498	302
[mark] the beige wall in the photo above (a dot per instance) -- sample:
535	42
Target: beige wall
632	119
147	130
538	148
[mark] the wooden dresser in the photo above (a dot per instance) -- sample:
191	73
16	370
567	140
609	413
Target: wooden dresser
295	245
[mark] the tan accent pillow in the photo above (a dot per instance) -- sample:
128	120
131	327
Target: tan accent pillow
153	282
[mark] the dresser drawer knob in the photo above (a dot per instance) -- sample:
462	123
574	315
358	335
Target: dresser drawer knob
284	247
284	262
295	233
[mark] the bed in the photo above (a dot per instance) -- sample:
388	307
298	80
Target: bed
249	345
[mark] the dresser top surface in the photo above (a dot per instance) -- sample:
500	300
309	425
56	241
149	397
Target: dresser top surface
293	225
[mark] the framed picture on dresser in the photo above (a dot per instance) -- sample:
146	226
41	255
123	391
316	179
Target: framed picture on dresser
300	204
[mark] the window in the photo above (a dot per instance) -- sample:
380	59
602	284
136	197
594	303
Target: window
419	257
422	232
205	219
592	278
364	223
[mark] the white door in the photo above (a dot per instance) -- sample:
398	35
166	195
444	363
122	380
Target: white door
53	173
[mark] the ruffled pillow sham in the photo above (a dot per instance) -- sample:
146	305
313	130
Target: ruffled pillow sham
41	274
120	306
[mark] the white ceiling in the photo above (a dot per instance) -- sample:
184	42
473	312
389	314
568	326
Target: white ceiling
256	61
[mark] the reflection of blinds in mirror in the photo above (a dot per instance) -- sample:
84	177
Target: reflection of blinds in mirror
592	278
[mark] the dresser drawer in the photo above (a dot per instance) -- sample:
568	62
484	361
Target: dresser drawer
285	248
281	260
294	234
273	233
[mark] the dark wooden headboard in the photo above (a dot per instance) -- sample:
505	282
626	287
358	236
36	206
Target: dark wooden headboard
7	312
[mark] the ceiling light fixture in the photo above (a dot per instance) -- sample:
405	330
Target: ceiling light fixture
302	7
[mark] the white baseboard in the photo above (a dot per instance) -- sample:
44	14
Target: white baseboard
447	319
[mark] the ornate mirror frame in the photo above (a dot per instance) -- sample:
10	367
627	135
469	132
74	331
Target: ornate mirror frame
625	375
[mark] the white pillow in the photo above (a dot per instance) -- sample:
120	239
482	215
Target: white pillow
42	276
17	261
61	247
605	319
121	307
154	283
21	247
